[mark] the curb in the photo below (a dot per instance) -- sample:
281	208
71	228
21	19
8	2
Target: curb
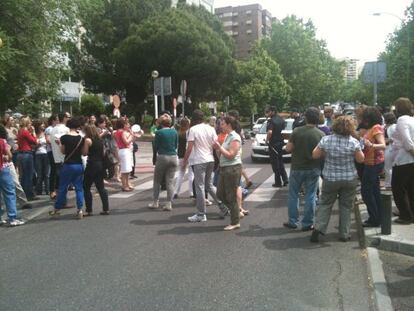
371	237
382	298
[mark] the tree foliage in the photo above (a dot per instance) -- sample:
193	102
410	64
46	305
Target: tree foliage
399	57
314	76
177	44
259	82
91	105
34	37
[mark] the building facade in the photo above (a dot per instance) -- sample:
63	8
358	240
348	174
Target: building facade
208	4
246	24
352	70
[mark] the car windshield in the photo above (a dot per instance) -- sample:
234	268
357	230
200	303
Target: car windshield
263	129
260	121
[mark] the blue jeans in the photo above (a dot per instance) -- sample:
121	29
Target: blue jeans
70	174
371	193
309	180
26	170
7	190
42	171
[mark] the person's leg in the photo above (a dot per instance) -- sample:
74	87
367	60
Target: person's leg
20	195
328	197
77	181
65	179
100	186
52	175
379	168
199	183
26	160
401	177
87	184
281	168
410	189
310	186
275	166
232	182
159	175
172	165
295	183
8	192
39	173
369	180
190	177
347	194
180	177
46	171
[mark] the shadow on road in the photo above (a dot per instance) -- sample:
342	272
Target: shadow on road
197	229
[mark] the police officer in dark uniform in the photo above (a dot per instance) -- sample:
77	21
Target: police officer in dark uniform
274	139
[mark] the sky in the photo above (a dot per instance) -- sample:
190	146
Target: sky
347	26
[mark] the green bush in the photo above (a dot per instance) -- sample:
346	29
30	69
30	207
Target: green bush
92	105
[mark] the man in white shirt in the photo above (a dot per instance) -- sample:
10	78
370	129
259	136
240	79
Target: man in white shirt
55	134
199	155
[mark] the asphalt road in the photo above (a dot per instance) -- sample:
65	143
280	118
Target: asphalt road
139	259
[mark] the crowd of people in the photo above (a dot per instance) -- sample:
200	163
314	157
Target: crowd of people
345	151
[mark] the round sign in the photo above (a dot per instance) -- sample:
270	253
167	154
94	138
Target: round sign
116	101
135	128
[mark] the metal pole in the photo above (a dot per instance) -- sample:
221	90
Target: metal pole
375	83
386	216
408	59
162	94
156	106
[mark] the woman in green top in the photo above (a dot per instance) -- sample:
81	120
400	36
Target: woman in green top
165	145
230	170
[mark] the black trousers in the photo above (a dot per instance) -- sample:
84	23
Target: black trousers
403	190
94	174
278	167
52	176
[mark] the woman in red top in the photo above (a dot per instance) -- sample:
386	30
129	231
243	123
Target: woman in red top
374	145
124	138
26	140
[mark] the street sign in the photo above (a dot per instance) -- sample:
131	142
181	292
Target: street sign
374	72
183	87
162	86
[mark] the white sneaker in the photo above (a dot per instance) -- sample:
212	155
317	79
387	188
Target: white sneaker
197	218
154	205
167	207
3	221
16	222
79	214
208	202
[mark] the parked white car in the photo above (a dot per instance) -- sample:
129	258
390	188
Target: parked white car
260	150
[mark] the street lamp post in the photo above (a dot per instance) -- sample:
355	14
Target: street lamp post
408	47
154	75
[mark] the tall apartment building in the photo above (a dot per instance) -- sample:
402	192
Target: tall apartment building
208	4
246	24
352	70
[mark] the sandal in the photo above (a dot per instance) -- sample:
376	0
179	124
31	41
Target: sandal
245	212
105	213
127	189
55	212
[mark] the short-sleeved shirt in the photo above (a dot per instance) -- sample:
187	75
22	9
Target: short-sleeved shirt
373	156
203	137
340	157
56	133
305	139
233	136
276	124
166	141
71	142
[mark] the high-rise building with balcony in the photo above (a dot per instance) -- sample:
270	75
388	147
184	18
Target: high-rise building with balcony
351	70
208	4
246	24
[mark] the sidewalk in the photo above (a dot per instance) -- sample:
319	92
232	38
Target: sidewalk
401	240
143	170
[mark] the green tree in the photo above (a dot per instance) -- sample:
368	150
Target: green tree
91	105
399	57
314	76
259	82
31	62
180	45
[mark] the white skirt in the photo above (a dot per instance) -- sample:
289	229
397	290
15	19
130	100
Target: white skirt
125	160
